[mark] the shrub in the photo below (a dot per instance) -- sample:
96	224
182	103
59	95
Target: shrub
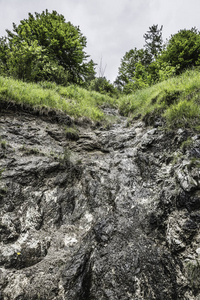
71	133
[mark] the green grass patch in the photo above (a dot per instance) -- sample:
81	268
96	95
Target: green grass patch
186	144
176	100
183	114
72	100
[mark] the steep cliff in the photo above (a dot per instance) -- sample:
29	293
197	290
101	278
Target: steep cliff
94	213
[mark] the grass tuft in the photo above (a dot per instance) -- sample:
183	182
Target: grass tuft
72	100
176	100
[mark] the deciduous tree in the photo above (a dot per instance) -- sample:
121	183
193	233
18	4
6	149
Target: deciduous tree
183	50
127	68
48	39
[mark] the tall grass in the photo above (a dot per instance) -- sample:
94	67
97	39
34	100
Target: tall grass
73	100
176	100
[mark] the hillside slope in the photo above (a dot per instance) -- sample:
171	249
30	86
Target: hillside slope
103	213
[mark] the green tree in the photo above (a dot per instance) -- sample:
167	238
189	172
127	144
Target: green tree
153	42
159	70
127	68
103	86
3	55
32	63
135	71
48	38
140	79
183	50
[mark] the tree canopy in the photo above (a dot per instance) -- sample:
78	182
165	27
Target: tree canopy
153	41
128	65
133	71
157	62
183	50
46	47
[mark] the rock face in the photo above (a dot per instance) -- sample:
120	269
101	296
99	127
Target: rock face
111	214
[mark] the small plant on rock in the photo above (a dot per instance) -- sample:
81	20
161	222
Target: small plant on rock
71	133
3	144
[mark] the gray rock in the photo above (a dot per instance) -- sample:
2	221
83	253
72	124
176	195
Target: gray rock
106	216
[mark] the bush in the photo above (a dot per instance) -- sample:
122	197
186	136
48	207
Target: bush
103	86
45	47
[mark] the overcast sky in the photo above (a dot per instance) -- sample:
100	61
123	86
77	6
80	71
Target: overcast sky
112	27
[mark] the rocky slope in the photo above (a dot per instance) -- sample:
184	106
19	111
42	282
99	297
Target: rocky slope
102	214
